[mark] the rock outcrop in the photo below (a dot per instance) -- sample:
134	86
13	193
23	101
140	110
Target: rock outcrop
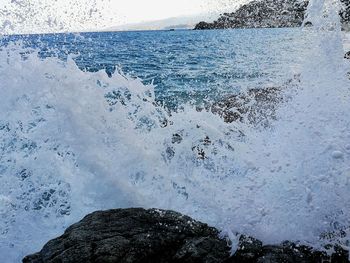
135	235
268	14
138	235
257	106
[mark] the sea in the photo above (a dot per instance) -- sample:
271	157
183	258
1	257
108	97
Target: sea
183	65
103	120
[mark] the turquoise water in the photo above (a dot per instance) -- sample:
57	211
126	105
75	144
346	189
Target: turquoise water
185	65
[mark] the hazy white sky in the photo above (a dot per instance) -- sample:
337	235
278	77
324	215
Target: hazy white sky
29	16
136	10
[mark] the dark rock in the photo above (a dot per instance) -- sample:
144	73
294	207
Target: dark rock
177	138
257	106
203	25
269	14
340	255
138	235
135	235
252	251
261	14
249	250
345	14
347	55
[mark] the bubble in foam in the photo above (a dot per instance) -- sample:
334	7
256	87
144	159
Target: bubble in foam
337	155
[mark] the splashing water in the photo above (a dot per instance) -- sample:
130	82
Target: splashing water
72	142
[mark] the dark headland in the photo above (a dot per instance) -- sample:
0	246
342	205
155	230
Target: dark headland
269	14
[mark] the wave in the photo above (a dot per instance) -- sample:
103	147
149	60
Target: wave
73	142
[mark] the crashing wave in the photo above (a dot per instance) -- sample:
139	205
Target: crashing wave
73	142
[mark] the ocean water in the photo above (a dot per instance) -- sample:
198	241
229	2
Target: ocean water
184	65
75	138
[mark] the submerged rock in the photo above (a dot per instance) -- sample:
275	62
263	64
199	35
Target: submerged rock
139	235
257	106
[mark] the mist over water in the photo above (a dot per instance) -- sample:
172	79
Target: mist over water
72	142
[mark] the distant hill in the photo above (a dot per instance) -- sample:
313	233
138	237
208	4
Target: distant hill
184	22
267	14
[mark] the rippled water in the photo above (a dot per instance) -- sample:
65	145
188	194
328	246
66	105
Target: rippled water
185	65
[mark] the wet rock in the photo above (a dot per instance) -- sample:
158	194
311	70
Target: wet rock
249	250
138	235
347	55
257	106
252	251
135	235
177	138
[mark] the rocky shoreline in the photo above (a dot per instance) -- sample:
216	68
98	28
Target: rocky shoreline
139	235
268	14
154	235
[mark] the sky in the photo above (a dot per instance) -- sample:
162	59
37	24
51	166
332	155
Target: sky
43	16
